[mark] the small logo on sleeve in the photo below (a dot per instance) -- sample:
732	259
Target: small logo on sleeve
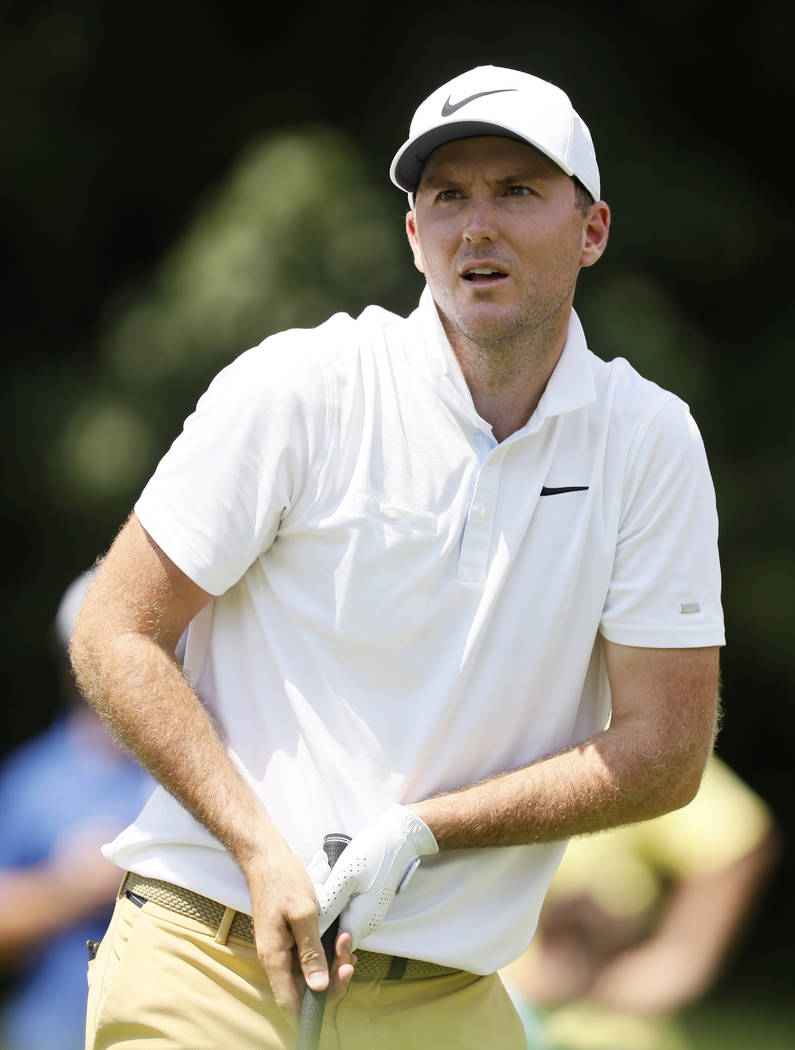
689	607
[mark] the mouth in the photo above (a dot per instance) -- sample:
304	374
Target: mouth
484	275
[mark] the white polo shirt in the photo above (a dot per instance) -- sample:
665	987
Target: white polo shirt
405	606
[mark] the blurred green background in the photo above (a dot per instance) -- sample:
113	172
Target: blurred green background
180	180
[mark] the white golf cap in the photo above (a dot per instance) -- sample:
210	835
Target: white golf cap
490	100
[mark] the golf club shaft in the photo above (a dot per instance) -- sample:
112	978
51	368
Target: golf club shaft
313	1003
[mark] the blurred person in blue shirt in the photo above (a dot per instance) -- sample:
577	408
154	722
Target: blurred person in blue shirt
62	794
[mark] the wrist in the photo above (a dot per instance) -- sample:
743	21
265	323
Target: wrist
421	833
256	840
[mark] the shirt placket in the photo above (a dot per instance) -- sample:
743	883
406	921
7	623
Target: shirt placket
479	526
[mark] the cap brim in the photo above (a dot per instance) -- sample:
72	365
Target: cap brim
410	159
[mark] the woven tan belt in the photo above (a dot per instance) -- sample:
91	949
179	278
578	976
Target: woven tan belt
369	965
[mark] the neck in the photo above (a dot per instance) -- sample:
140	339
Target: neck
506	378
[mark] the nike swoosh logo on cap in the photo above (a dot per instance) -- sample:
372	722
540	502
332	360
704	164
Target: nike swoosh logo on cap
566	488
452	107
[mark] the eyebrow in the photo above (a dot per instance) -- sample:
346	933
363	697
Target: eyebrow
518	176
524	175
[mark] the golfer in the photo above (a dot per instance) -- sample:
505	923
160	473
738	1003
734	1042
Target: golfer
451	587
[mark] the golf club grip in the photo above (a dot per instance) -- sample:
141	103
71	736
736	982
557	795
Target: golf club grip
313	1003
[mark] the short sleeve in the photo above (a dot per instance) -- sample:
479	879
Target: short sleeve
665	586
217	497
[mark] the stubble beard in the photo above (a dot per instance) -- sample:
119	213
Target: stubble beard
511	344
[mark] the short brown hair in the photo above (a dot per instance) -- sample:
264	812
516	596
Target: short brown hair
583	199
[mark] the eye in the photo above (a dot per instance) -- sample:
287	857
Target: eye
448	195
519	191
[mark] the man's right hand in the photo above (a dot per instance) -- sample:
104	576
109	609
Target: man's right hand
286	930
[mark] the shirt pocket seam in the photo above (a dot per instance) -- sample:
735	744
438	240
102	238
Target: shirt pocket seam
394	515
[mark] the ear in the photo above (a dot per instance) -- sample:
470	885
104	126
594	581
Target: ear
414	241
596	229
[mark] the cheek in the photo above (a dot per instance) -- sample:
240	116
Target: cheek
434	244
427	257
560	252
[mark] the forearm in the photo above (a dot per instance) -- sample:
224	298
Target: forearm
123	656
32	907
684	955
585	789
74	881
649	761
138	689
717	906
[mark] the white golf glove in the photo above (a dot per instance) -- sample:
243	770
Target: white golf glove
373	867
318	868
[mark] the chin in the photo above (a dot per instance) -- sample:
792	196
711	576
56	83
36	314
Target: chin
490	325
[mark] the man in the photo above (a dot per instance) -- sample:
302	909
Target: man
423	562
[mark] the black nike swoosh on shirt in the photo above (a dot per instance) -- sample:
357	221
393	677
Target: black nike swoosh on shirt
565	488
452	107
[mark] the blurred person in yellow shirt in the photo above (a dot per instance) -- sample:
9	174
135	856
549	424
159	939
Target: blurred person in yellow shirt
640	920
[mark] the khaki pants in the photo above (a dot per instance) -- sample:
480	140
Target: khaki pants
162	981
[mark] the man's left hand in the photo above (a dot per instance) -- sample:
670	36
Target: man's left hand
374	866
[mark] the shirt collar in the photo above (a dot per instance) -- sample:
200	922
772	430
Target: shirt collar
571	385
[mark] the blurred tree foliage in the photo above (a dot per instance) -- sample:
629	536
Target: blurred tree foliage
179	181
295	230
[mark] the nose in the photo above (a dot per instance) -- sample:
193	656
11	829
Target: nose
480	223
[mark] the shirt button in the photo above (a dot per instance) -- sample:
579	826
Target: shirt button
484	513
